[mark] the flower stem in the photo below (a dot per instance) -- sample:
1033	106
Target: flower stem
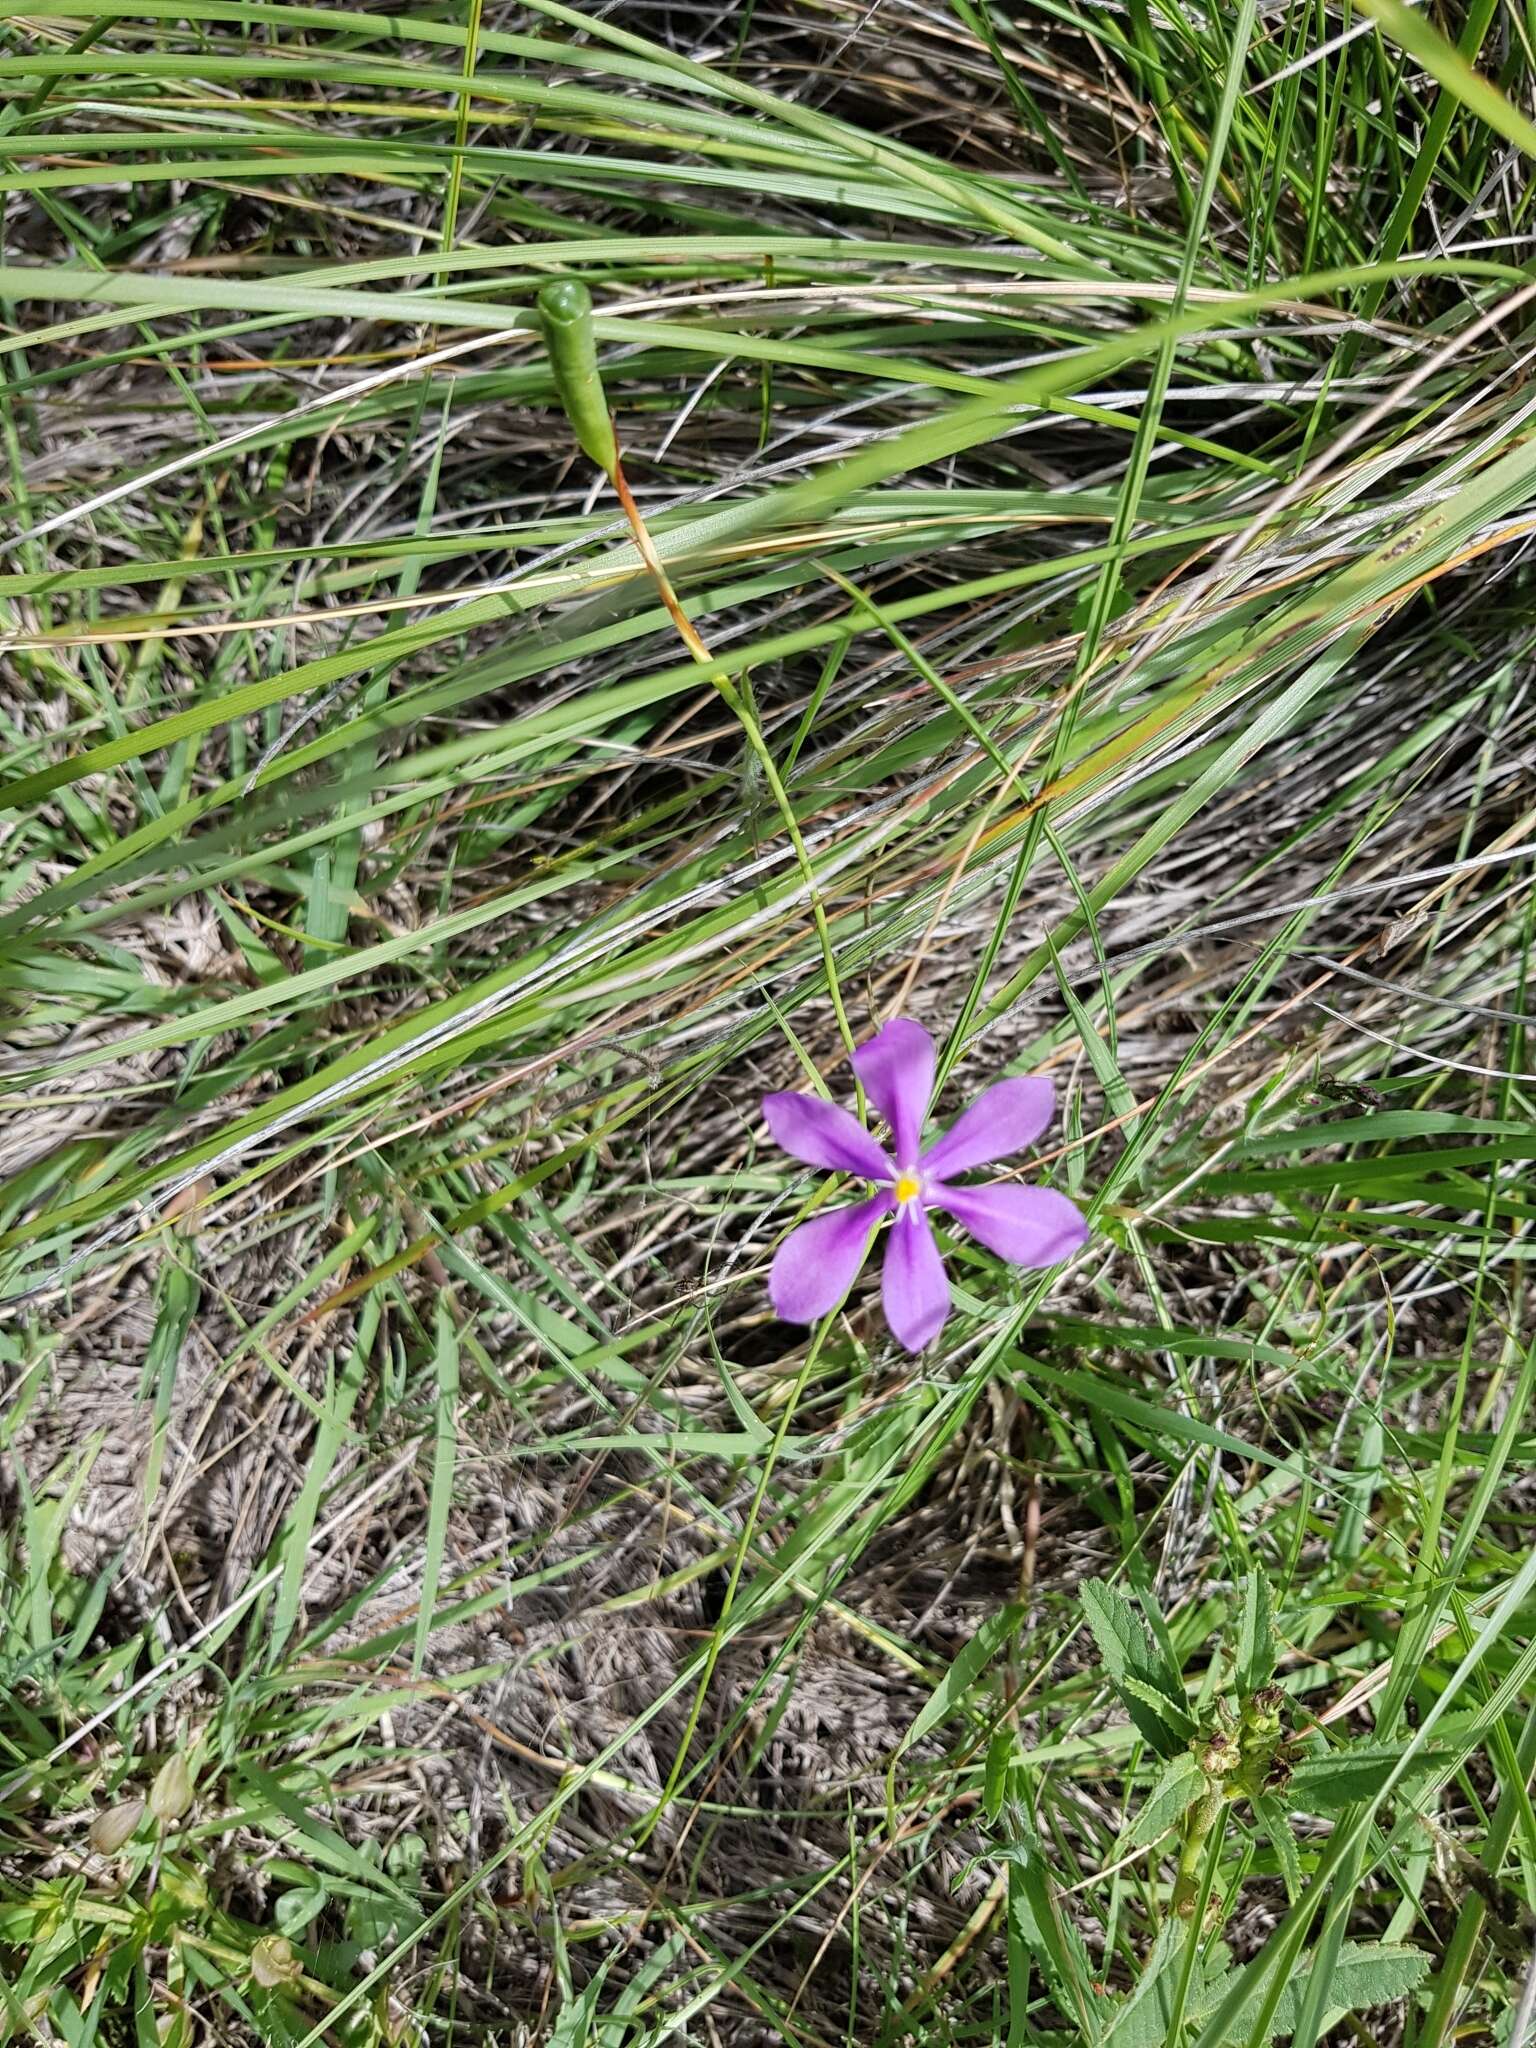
743	712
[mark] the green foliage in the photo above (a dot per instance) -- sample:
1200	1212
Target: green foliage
1094	444
1149	1685
1364	1976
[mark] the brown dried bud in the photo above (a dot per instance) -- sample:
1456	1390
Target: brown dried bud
111	1829
1218	1756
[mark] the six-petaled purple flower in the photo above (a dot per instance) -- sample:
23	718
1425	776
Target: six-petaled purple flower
816	1265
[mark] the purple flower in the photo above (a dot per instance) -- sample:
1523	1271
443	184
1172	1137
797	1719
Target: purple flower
816	1265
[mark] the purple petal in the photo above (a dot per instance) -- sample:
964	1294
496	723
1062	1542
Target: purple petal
1029	1226
1001	1121
817	1264
896	1068
823	1135
916	1291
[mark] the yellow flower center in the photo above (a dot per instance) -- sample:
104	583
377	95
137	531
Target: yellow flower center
908	1187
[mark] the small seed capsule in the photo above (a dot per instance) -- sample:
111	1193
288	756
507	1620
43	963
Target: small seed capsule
171	1793
273	1962
111	1829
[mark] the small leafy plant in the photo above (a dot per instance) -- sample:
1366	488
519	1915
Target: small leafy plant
1235	1761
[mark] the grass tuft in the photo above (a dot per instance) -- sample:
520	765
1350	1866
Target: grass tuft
1015	517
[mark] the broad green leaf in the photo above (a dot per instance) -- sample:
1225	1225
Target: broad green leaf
1329	1784
1366	1975
1151	1692
1178	1785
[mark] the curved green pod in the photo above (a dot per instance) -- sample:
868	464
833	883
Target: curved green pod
565	314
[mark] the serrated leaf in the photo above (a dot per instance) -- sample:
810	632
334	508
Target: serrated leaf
1255	1636
1271	1812
1141	2019
1171	1715
1150	1690
1323	1784
1365	1974
1179	1784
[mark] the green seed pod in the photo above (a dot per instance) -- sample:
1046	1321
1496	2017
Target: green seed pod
171	1793
565	314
